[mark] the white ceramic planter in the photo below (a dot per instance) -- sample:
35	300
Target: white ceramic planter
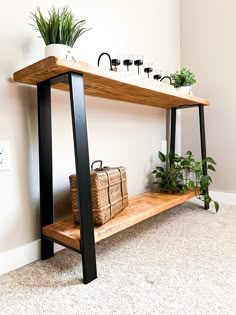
185	90
58	50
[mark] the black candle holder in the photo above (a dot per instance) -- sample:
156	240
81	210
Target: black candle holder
138	63
115	63
127	63
157	76
148	70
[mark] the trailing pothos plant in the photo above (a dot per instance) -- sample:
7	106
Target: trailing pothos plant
181	174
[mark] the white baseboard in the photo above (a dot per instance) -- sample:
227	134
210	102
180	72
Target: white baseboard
223	197
21	256
28	253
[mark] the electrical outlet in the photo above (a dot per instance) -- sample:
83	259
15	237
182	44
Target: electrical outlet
5	157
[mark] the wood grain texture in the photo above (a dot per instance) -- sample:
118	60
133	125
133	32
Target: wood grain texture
106	84
140	208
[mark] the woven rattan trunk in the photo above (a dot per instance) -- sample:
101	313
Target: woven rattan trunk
109	194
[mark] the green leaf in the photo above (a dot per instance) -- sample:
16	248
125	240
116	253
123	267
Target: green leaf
184	188
171	156
216	206
210	160
177	158
207	199
198	173
189	153
211	167
161	156
205	181
191	185
185	163
160	169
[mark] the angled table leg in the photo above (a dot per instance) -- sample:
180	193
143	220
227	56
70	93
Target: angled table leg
83	176
202	137
45	163
203	142
173	130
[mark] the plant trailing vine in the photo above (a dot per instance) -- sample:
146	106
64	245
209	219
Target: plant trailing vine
181	174
59	27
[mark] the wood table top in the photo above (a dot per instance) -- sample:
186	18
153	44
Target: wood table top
104	83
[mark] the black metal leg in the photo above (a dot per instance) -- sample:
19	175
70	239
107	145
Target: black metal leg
203	143
173	130
83	176
45	164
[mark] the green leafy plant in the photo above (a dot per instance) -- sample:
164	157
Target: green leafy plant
183	77
59	27
182	174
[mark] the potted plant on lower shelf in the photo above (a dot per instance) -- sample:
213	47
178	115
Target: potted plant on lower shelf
59	30
183	80
181	174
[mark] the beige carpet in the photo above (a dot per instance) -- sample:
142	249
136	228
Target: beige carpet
182	261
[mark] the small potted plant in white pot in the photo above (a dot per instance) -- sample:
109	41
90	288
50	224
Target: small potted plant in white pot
183	80
59	30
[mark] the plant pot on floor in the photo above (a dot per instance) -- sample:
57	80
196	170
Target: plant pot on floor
58	50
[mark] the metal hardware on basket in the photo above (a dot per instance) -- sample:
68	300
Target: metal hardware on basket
97	161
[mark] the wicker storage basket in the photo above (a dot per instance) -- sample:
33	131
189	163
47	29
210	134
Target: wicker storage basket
108	190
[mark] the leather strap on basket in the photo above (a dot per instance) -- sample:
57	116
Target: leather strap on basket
121	187
109	191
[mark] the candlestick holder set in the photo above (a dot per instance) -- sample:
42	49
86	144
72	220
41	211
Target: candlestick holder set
138	62
128	61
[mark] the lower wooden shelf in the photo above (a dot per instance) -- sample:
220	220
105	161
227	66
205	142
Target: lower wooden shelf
140	208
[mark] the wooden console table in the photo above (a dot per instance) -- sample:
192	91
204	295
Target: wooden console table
79	79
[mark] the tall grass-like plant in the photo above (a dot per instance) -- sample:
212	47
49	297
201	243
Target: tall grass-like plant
59	27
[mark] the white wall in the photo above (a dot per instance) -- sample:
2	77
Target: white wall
119	133
208	47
